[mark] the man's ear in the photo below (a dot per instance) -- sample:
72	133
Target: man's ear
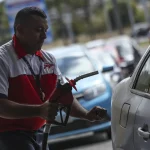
19	29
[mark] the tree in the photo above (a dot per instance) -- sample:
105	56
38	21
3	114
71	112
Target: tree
4	25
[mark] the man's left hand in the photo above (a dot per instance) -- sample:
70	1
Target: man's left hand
96	114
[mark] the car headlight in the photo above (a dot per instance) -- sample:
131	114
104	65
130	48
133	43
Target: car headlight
94	91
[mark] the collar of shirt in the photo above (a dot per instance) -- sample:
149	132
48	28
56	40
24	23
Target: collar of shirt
20	50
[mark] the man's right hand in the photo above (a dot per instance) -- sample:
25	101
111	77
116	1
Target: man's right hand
48	111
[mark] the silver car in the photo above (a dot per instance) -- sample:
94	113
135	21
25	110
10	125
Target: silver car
130	124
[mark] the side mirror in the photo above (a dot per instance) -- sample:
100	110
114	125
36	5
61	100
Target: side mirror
107	69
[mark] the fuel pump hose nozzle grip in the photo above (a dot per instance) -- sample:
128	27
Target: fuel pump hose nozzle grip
63	95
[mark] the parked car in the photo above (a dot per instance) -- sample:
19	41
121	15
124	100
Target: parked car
95	43
126	49
131	108
103	59
140	30
74	61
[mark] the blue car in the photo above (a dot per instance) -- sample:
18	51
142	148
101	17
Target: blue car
74	61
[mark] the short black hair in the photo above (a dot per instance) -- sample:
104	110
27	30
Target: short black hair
25	13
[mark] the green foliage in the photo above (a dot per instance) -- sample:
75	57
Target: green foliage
123	12
3	17
72	3
139	17
98	21
95	23
80	26
4	26
90	23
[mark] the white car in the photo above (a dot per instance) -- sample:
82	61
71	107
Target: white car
126	49
130	118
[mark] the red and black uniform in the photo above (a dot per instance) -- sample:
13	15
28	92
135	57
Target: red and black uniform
17	82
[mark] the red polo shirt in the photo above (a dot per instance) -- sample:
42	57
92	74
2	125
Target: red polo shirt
17	82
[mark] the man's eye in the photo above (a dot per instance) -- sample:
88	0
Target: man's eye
41	30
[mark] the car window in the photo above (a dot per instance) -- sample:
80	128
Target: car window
143	83
104	59
74	65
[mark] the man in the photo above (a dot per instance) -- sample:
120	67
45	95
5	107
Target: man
26	84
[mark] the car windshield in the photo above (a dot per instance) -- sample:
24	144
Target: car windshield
104	59
74	65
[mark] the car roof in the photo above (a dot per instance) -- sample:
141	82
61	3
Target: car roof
95	43
118	39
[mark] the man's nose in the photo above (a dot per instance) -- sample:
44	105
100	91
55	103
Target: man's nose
43	35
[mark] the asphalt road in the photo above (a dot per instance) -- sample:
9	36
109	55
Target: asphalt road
86	142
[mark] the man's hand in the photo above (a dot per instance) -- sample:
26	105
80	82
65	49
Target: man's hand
96	114
49	111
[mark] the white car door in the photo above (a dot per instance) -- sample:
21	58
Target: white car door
142	116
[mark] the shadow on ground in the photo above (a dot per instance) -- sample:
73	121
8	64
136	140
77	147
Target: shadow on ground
83	141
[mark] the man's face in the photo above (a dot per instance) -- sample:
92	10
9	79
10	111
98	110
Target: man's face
34	33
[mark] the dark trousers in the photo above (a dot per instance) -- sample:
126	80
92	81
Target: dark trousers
21	140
